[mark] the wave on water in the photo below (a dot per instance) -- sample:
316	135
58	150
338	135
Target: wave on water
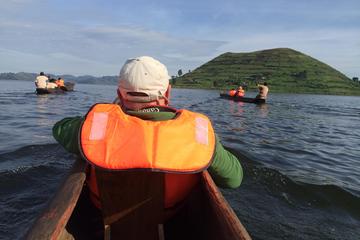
299	193
273	206
30	165
34	155
28	178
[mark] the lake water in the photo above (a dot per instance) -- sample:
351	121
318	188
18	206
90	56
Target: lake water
300	154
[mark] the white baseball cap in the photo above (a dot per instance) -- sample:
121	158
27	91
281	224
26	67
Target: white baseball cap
143	79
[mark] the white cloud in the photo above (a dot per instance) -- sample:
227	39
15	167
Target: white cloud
14	24
9	7
134	32
107	46
178	34
50	63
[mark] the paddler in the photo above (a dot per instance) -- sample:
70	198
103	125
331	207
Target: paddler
41	80
263	91
240	92
143	96
232	92
60	82
52	83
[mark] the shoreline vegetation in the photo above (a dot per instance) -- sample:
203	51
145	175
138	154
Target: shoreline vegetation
285	70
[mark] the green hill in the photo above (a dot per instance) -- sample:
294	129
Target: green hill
284	69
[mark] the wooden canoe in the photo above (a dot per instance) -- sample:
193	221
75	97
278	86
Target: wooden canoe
70	214
69	86
242	99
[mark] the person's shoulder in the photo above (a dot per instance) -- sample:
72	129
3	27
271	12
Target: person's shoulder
195	114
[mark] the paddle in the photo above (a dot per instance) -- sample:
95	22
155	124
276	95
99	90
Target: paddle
51	223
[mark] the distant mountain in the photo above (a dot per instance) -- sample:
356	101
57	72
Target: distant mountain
284	69
18	76
108	80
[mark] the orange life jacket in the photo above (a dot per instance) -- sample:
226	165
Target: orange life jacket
113	140
232	93
60	83
240	93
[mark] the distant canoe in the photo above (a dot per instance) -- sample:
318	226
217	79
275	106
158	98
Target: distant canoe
242	99
70	215
69	86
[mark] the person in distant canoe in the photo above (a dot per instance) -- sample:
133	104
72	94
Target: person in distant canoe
51	84
185	145
240	92
232	92
60	82
263	91
41	80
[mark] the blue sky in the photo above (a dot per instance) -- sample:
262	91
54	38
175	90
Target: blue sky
83	37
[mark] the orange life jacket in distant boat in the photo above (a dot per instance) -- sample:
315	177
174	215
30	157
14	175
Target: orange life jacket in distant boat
113	140
232	93
59	83
240	93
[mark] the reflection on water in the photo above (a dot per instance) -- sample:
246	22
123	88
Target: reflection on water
42	110
236	108
264	110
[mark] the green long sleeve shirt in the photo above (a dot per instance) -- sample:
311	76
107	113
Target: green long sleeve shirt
225	168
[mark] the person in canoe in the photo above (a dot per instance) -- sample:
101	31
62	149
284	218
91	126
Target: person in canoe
263	91
41	80
232	92
60	82
240	92
52	83
127	129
